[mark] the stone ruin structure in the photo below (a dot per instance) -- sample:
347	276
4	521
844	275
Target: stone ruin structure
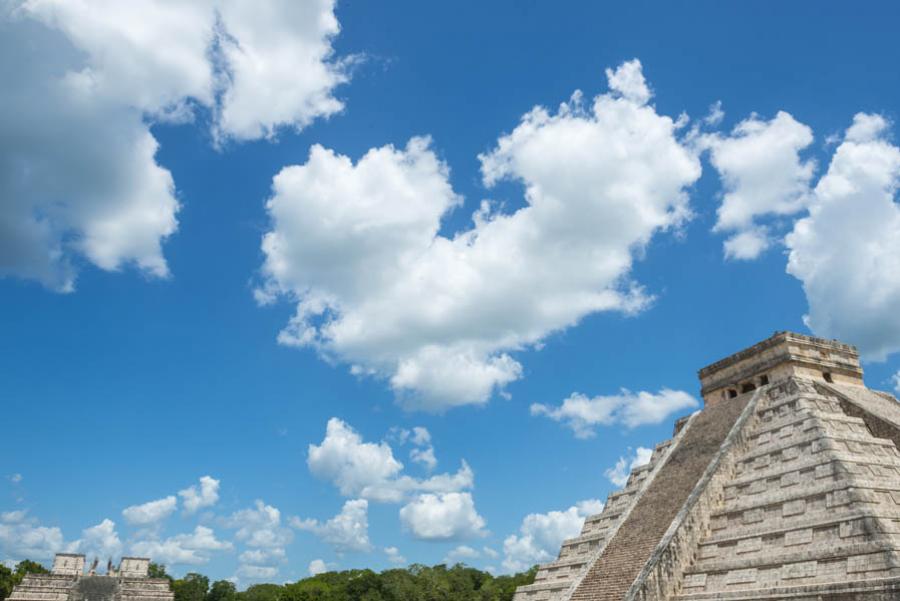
786	485
67	581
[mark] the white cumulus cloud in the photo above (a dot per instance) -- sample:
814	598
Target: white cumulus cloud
461	554
257	572
369	470
347	531
150	512
100	540
194	498
446	516
846	251
187	548
84	82
260	526
319	566
22	537
763	175
541	535
583	414
394	556
356	245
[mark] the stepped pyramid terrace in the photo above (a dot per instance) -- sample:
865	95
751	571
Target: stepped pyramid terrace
786	485
68	582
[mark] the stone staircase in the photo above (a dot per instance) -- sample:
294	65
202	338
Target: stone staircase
555	579
612	574
43	587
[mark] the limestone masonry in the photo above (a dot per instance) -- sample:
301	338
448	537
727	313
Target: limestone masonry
68	582
785	486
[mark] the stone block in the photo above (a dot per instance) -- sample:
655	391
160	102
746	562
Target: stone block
866	563
825	470
795	507
837	498
805	569
790	478
745	576
695	581
753	516
798	537
749	545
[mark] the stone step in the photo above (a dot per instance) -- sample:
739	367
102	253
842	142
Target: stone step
610	576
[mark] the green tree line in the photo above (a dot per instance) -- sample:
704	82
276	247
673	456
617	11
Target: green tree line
11	577
415	583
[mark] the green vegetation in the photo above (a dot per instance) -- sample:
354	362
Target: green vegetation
10	578
415	583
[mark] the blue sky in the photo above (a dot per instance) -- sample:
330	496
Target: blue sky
623	247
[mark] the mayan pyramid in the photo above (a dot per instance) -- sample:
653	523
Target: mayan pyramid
786	485
68	582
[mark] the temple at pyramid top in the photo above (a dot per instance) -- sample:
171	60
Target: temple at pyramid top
776	358
785	486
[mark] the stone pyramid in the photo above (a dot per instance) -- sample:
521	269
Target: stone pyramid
68	582
785	486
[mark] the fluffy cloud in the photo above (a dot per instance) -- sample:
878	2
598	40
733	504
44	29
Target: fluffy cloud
422	451
257	572
280	71
101	540
319	566
846	252
206	496
150	512
394	556
619	473
762	173
94	76
22	537
460	554
262	556
183	548
369	470
583	414
347	531
260	526
357	245
541	535
447	516
109	202
896	380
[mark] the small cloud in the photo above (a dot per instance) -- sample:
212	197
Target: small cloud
150	512
618	474
447	516
319	566
715	114
461	554
15	478
206	496
347	531
583	414
393	555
